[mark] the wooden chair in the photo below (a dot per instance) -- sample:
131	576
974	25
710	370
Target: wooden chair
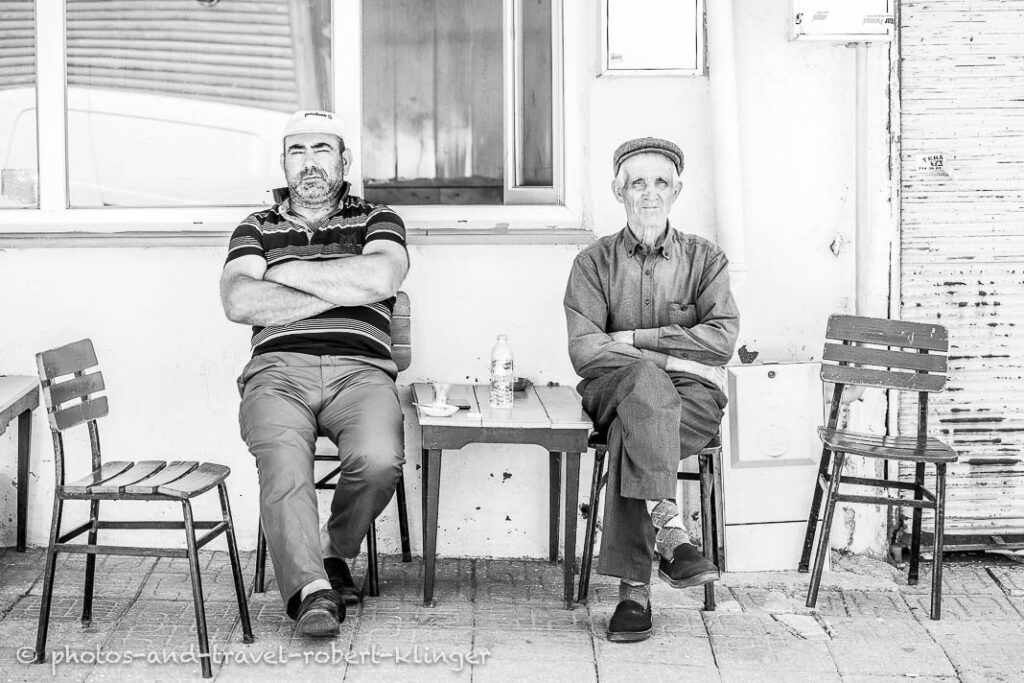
70	402
866	357
401	351
712	509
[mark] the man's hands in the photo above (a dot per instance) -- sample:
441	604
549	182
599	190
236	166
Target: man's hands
624	336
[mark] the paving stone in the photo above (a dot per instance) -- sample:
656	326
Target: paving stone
519	581
792	654
990	607
885	647
403	582
977	632
733	674
681	651
71	651
623	668
1010	579
875	604
105	610
956	580
171	579
905	629
170	625
900	679
530	618
674	621
528	645
989	661
788	600
116	575
752	625
19	571
501	671
389	616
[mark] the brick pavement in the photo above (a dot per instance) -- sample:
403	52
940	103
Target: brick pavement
869	627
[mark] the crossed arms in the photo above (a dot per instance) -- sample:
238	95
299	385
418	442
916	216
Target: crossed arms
256	295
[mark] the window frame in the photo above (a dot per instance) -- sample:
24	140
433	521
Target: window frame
560	210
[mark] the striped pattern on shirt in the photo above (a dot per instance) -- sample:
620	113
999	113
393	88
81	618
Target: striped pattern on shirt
278	235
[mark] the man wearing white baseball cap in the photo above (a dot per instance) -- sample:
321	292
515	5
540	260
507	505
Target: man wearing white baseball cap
315	275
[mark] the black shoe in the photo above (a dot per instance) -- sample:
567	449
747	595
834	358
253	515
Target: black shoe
341	580
687	568
320	614
630	623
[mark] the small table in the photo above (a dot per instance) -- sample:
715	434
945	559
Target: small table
550	417
19	396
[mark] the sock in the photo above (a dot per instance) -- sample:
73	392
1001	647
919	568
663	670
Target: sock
313	586
671	532
634	590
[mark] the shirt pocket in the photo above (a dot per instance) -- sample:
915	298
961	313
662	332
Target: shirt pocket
684	315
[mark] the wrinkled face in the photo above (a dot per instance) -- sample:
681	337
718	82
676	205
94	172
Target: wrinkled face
314	165
647	186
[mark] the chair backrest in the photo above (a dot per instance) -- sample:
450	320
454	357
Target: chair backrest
401	331
70	401
872	353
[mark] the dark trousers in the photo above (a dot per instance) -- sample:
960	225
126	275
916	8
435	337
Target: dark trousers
652	418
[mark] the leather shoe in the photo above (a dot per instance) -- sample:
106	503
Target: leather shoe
630	623
687	568
320	614
341	580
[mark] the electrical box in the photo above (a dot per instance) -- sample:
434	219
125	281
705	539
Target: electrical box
652	37
843	21
770	462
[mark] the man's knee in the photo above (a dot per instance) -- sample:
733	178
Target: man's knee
646	376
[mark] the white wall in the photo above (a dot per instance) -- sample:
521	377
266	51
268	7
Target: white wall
170	358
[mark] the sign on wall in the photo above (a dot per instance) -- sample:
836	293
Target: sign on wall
652	37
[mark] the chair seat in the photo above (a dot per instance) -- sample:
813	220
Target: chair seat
156	478
889	447
599	439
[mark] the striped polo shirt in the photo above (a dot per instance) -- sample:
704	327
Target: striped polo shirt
278	235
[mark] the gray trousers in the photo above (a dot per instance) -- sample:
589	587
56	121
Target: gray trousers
289	398
652	418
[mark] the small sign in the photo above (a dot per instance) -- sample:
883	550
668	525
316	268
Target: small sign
934	163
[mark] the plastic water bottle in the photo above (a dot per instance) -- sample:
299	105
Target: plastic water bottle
502	375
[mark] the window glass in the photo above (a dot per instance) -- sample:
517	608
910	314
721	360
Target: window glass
181	102
434	110
18	158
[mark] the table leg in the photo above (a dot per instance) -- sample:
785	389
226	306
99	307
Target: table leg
555	493
424	458
24	455
572	492
432	486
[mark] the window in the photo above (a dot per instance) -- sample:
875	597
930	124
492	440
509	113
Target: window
164	115
18	155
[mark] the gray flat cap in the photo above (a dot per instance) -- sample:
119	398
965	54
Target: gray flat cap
647	145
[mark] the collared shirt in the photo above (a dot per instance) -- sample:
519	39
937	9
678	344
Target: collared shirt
279	235
675	297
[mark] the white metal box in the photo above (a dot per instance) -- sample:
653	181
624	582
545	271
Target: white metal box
845	21
652	37
770	457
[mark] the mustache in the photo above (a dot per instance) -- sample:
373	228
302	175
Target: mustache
313	173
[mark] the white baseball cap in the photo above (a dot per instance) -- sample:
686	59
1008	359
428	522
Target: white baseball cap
314	121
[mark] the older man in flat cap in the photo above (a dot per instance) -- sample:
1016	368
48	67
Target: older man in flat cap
315	275
651	322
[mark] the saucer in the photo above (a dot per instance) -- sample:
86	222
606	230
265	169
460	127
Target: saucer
434	410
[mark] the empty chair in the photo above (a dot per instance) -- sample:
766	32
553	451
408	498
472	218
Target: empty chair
887	354
70	394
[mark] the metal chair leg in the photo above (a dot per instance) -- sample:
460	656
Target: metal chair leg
589	538
915	528
90	564
826	527
372	570
259	584
940	527
812	516
554	499
197	589
403	520
718	501
708	533
48	572
236	564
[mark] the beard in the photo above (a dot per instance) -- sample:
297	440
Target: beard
314	189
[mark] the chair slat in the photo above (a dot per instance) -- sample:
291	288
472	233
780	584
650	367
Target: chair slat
140	471
887	332
402	306
400	328
889	447
904	360
201	479
904	381
174	470
76	387
67	359
402	356
75	415
106	471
